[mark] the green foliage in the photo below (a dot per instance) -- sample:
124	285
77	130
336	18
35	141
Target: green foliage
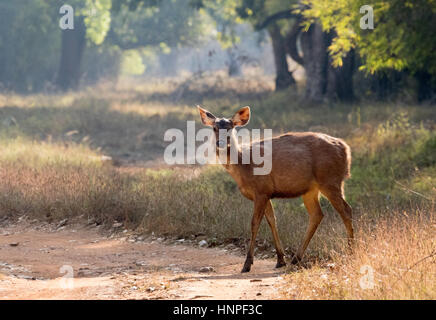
30	39
171	24
97	15
403	36
257	11
132	5
29	43
225	16
132	63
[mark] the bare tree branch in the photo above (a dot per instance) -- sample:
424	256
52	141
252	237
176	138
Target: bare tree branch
287	14
291	42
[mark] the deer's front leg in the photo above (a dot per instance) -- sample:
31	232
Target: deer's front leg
271	218
259	211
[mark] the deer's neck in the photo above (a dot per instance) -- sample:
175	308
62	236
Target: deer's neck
239	171
233	158
232	154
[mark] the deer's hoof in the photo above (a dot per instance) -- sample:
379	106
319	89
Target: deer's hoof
295	260
247	266
246	269
280	264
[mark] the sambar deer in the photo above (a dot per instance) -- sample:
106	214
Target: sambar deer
303	164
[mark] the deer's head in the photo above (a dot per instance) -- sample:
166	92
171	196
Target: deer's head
223	127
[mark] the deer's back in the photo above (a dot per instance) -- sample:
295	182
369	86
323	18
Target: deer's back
302	160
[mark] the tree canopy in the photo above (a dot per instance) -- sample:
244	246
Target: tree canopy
403	36
170	24
324	37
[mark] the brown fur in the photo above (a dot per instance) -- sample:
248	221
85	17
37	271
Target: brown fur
303	164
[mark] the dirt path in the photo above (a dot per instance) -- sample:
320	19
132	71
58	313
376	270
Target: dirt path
31	259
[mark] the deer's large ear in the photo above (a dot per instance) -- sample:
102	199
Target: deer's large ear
241	117
207	118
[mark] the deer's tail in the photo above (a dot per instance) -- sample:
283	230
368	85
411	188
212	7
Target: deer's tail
347	151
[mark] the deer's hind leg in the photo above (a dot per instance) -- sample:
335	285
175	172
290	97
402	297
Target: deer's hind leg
335	195
311	202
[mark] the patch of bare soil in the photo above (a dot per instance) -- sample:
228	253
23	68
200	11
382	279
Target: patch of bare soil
79	262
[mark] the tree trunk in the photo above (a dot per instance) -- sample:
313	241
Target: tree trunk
314	45
291	42
322	80
284	78
386	84
340	80
426	89
73	45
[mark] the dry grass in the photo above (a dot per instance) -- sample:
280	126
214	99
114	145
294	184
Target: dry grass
394	258
52	167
